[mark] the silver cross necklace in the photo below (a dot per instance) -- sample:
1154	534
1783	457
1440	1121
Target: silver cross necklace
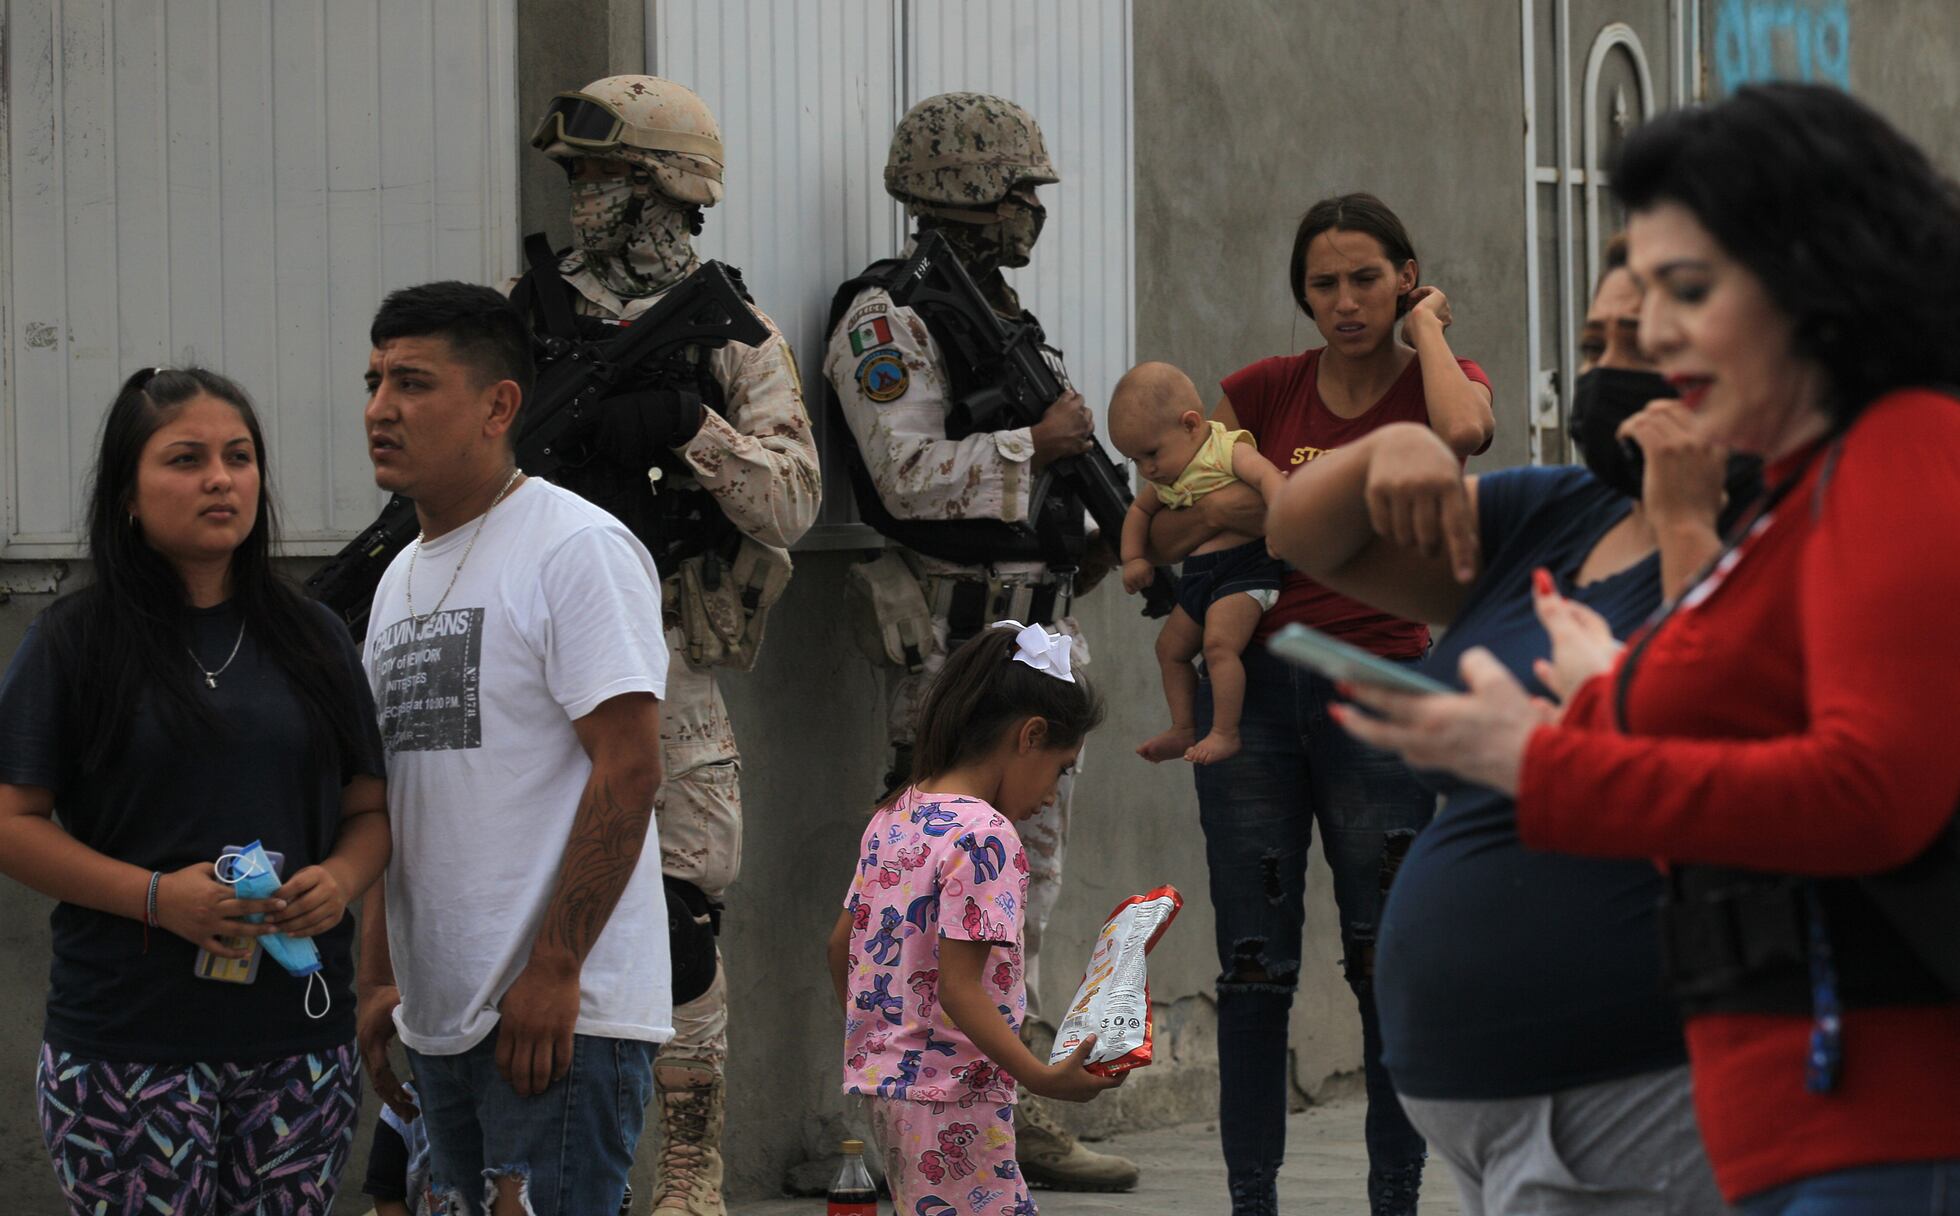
408	581
211	677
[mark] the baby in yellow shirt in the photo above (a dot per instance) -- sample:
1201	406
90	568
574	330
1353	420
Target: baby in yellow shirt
1157	420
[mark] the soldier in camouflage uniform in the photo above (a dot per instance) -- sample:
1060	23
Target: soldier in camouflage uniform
967	165
643	156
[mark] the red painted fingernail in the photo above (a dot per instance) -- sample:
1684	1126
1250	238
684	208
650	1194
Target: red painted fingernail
1541	581
1345	689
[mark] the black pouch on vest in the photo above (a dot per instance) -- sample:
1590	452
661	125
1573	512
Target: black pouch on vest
691	932
1921	899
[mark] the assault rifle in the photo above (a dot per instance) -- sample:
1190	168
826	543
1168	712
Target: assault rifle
1021	385
705	310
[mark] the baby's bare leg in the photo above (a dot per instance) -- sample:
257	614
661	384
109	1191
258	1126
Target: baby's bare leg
1229	624
1177	645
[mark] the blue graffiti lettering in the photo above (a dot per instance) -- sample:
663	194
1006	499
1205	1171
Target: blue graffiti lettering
1750	33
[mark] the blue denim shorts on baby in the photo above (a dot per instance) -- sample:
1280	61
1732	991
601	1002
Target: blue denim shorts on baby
1207	578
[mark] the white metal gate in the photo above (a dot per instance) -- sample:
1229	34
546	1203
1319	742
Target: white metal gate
807	93
239	182
1570	129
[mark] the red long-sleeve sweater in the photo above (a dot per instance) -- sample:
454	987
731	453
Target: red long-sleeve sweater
1797	717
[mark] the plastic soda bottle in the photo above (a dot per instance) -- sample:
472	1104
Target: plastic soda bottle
851	1192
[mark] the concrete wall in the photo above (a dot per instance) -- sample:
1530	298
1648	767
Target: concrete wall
1240	124
24	1172
1243	123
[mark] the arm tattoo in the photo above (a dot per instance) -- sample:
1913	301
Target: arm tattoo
607	836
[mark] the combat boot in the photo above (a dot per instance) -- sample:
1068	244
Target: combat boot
688	1174
1049	1154
1052	1157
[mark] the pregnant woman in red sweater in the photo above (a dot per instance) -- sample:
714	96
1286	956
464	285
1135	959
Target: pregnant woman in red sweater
1785	731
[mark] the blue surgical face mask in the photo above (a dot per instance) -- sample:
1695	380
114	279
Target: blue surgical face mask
250	873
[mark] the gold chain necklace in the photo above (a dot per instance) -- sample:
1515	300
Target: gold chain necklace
408	583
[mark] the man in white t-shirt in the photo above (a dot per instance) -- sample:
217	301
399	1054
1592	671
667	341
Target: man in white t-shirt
517	661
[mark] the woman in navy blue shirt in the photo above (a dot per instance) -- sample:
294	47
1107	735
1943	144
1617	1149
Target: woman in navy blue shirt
1524	1022
153	726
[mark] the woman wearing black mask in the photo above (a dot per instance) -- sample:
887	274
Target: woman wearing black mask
1625	415
1523	1018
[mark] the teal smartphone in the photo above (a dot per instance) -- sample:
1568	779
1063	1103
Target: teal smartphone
1338	661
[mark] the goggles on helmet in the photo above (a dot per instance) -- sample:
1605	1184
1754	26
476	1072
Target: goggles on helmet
578	120
581	120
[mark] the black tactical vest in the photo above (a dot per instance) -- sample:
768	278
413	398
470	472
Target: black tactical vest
608	464
1057	537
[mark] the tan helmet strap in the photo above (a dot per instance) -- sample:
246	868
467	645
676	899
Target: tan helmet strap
707	147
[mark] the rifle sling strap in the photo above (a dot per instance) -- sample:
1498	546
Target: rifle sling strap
545	290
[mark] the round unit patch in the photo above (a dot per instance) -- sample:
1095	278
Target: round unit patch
882	376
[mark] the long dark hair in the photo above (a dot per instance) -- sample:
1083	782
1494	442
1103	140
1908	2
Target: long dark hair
1848	226
982	692
125	633
1362	213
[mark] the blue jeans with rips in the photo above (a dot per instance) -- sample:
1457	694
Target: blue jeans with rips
1914	1188
1296	766
571	1146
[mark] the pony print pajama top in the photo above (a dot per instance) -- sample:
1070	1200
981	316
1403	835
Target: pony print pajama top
932	864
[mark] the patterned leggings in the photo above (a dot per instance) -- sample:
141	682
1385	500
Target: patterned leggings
947	1160
200	1139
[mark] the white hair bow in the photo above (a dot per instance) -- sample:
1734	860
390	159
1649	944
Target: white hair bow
1046	652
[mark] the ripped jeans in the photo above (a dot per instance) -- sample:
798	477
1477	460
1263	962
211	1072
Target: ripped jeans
569	1147
1258	809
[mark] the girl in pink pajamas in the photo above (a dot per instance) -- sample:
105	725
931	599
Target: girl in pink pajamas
927	953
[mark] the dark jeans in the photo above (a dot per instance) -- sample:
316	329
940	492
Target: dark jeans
570	1146
1258	809
1918	1188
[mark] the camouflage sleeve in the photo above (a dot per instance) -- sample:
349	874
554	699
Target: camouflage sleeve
893	388
759	461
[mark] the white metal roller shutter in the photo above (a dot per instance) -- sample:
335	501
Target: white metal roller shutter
237	182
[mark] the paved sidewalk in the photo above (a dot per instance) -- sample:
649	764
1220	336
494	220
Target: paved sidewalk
1325	1173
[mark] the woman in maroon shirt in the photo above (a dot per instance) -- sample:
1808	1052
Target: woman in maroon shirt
1785	731
1354	272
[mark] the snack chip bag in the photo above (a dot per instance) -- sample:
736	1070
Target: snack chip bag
1113	1002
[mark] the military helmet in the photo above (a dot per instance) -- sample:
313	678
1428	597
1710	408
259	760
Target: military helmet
643	120
965	149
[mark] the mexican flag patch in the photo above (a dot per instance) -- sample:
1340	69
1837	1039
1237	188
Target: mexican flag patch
875	332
